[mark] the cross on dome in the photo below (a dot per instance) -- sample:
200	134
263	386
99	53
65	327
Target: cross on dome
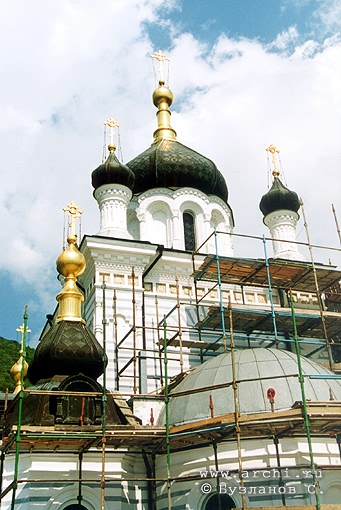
73	212
161	58
273	150
112	124
21	329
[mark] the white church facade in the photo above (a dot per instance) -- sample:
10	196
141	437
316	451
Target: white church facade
180	376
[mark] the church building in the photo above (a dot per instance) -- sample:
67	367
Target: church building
174	374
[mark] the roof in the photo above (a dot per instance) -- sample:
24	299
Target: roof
257	370
170	164
278	198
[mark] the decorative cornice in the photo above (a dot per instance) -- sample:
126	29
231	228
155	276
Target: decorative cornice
111	191
120	267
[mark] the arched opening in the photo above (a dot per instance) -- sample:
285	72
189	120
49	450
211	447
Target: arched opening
77	506
226	502
189	231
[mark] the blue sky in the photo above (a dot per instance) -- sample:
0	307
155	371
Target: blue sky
261	19
270	66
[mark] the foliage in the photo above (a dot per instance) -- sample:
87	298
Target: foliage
9	354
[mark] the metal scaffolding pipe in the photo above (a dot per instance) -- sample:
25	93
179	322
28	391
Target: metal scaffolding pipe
221	306
179	323
273	315
169	495
80	474
134	332
216	465
20	409
117	379
104	361
103	474
304	402
236	406
280	480
319	298
158	338
336	223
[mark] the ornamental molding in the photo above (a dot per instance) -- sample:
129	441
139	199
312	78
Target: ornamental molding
157	277
173	194
113	191
283	214
126	268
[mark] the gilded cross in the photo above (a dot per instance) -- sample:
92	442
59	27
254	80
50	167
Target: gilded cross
112	124
21	330
74	212
161	58
273	150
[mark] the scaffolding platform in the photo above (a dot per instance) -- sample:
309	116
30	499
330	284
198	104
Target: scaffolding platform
253	272
75	439
247	319
324	418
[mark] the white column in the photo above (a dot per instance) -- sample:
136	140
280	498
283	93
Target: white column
113	200
282	226
178	241
141	216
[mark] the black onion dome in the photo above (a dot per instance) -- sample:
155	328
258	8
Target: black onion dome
279	197
169	164
68	348
112	171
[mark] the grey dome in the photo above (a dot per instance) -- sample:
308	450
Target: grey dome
170	164
250	364
279	197
112	171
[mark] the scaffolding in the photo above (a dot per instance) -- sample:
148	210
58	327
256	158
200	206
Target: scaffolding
220	324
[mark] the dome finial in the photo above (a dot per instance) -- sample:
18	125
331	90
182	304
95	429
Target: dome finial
19	369
70	264
161	58
162	99
111	123
273	149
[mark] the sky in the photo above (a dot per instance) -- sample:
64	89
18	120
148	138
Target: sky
244	73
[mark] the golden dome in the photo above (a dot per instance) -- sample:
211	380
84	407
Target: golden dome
71	261
16	373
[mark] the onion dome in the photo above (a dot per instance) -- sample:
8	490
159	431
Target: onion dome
69	347
112	171
16	373
169	164
254	369
279	197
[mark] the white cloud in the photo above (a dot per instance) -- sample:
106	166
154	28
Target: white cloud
328	15
285	38
251	97
69	65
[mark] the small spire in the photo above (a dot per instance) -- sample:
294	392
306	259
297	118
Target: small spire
16	370
71	263
163	99
273	150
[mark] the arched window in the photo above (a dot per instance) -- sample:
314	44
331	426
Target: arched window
189	231
226	502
